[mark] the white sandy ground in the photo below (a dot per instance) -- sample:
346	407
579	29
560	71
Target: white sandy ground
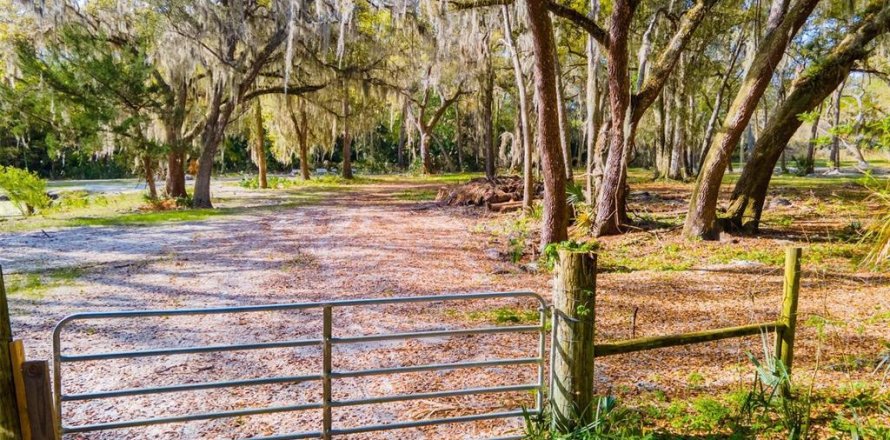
352	246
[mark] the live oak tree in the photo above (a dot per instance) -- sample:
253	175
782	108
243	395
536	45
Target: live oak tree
782	26
809	90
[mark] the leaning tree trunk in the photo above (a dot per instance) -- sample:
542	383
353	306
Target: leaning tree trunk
701	220
808	91
555	220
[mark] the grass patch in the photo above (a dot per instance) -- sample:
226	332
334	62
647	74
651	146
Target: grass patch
498	316
416	195
33	285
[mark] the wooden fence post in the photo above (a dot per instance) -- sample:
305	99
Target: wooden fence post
785	337
574	297
9	416
40	400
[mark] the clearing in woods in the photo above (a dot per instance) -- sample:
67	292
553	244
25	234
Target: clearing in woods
386	238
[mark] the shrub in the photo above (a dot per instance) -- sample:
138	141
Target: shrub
25	189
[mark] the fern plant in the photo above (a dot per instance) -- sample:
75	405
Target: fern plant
879	233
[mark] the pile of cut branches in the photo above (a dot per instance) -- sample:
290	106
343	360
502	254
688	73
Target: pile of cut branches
501	194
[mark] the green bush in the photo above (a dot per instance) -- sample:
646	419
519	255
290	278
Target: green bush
25	189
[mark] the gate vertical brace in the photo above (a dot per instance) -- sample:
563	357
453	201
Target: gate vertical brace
9	416
542	341
327	332
791	288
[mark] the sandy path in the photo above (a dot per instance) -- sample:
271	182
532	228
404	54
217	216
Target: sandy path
356	244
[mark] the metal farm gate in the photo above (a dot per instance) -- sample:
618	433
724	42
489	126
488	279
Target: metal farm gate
327	376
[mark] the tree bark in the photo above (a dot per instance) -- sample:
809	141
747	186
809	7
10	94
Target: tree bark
525	136
592	103
626	112
347	140
304	147
149	171
565	141
486	80
175	183
701	218
807	92
810	161
555	220
610	204
458	138
259	145
835	140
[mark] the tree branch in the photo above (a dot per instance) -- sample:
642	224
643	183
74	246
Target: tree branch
291	90
581	21
662	69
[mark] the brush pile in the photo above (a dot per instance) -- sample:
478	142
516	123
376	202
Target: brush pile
501	195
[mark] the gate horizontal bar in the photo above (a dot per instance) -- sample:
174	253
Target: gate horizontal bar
435	333
433	395
305	435
299	306
430	422
188	387
640	344
291	436
436	367
189	418
187	350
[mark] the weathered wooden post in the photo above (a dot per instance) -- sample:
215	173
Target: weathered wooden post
41	413
574	295
9	416
785	337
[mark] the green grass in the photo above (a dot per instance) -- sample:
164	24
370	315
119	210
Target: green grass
416	195
33	285
498	316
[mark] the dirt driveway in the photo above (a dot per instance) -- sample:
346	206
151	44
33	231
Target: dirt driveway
357	243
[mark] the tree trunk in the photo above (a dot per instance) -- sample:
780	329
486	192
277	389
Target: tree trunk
555	221
403	135
565	141
487	88
810	161
347	140
175	183
259	145
304	147
611	209
835	140
808	91
701	218
458	138
149	171
592	103
425	154
525	136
